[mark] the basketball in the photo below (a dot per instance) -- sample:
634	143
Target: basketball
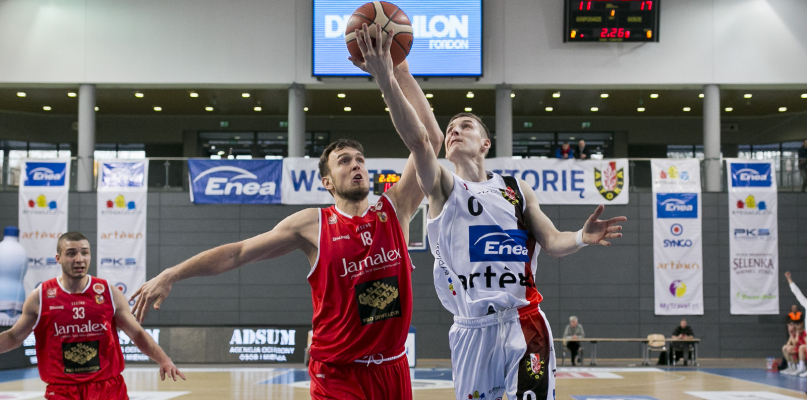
390	17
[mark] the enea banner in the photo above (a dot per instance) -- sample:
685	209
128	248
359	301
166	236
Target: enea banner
753	237
121	249
677	237
43	216
447	37
302	183
569	181
235	181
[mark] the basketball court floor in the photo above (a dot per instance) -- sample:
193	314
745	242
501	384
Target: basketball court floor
715	380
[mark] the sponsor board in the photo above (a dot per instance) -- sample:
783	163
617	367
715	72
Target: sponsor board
613	397
235	181
446	37
677	205
587	375
751	174
744	395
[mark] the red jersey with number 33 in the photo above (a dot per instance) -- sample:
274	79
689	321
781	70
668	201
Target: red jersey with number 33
76	336
361	286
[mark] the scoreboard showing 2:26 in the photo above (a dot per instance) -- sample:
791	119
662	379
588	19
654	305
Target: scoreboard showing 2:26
611	21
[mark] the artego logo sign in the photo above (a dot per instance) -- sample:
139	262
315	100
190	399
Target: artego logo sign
45	174
751	175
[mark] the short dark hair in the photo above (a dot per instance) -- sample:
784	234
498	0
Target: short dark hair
474	117
340	144
71	236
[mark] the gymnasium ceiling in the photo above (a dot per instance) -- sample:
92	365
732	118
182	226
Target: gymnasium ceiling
532	102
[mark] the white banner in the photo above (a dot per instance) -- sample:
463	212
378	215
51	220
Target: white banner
121	250
43	197
753	237
677	237
558	181
554	181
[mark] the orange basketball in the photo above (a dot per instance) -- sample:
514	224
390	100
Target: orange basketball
390	17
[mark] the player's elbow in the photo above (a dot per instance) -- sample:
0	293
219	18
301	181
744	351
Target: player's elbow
420	142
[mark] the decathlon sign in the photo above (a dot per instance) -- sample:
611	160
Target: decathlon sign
447	37
235	181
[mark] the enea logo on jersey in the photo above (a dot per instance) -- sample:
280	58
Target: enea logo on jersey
234	182
677	205
45	174
751	175
492	243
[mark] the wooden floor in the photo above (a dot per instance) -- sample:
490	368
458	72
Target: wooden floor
600	383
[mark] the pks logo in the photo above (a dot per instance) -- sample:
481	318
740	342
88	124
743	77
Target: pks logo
111	262
45	174
677	205
41	262
751	233
678	288
751	175
609	181
120	202
220	186
492	243
673	174
42	202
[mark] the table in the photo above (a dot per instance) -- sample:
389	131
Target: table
643	341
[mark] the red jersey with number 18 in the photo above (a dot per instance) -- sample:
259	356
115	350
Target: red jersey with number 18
76	336
361	285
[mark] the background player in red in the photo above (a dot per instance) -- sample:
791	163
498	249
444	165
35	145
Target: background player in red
360	270
74	319
483	226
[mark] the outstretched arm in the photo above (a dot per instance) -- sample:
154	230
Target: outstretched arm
287	236
126	322
410	127
559	244
13	338
796	291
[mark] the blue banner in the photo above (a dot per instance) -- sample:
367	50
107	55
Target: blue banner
235	181
751	174
677	205
45	173
447	37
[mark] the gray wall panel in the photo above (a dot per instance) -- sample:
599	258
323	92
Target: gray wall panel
609	289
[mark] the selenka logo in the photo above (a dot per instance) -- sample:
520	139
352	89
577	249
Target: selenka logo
677	205
45	174
751	175
678	288
221	186
492	243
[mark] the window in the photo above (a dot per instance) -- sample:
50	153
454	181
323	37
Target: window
257	145
545	144
123	151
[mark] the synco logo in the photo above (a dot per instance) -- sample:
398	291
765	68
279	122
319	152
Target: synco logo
677	243
45	174
225	186
492	243
118	262
751	175
741	233
677	205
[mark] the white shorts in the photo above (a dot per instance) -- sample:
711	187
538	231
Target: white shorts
506	352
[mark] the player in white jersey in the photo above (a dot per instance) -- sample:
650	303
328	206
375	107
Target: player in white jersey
485	234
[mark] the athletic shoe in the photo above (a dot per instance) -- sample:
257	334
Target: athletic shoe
803	374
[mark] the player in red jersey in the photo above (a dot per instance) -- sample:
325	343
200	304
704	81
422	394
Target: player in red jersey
75	319
360	273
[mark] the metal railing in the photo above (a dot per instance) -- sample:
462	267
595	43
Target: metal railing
170	174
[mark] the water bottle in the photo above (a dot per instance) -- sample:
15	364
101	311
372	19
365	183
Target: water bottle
13	262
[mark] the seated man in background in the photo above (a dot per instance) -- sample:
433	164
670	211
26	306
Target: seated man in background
573	331
564	151
789	349
682	331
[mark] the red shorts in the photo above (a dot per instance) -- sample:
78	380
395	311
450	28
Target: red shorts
358	381
110	389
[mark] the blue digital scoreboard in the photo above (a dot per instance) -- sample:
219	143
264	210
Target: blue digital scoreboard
447	37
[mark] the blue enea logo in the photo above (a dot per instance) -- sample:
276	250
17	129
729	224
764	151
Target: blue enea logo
677	205
751	175
235	181
45	174
492	243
